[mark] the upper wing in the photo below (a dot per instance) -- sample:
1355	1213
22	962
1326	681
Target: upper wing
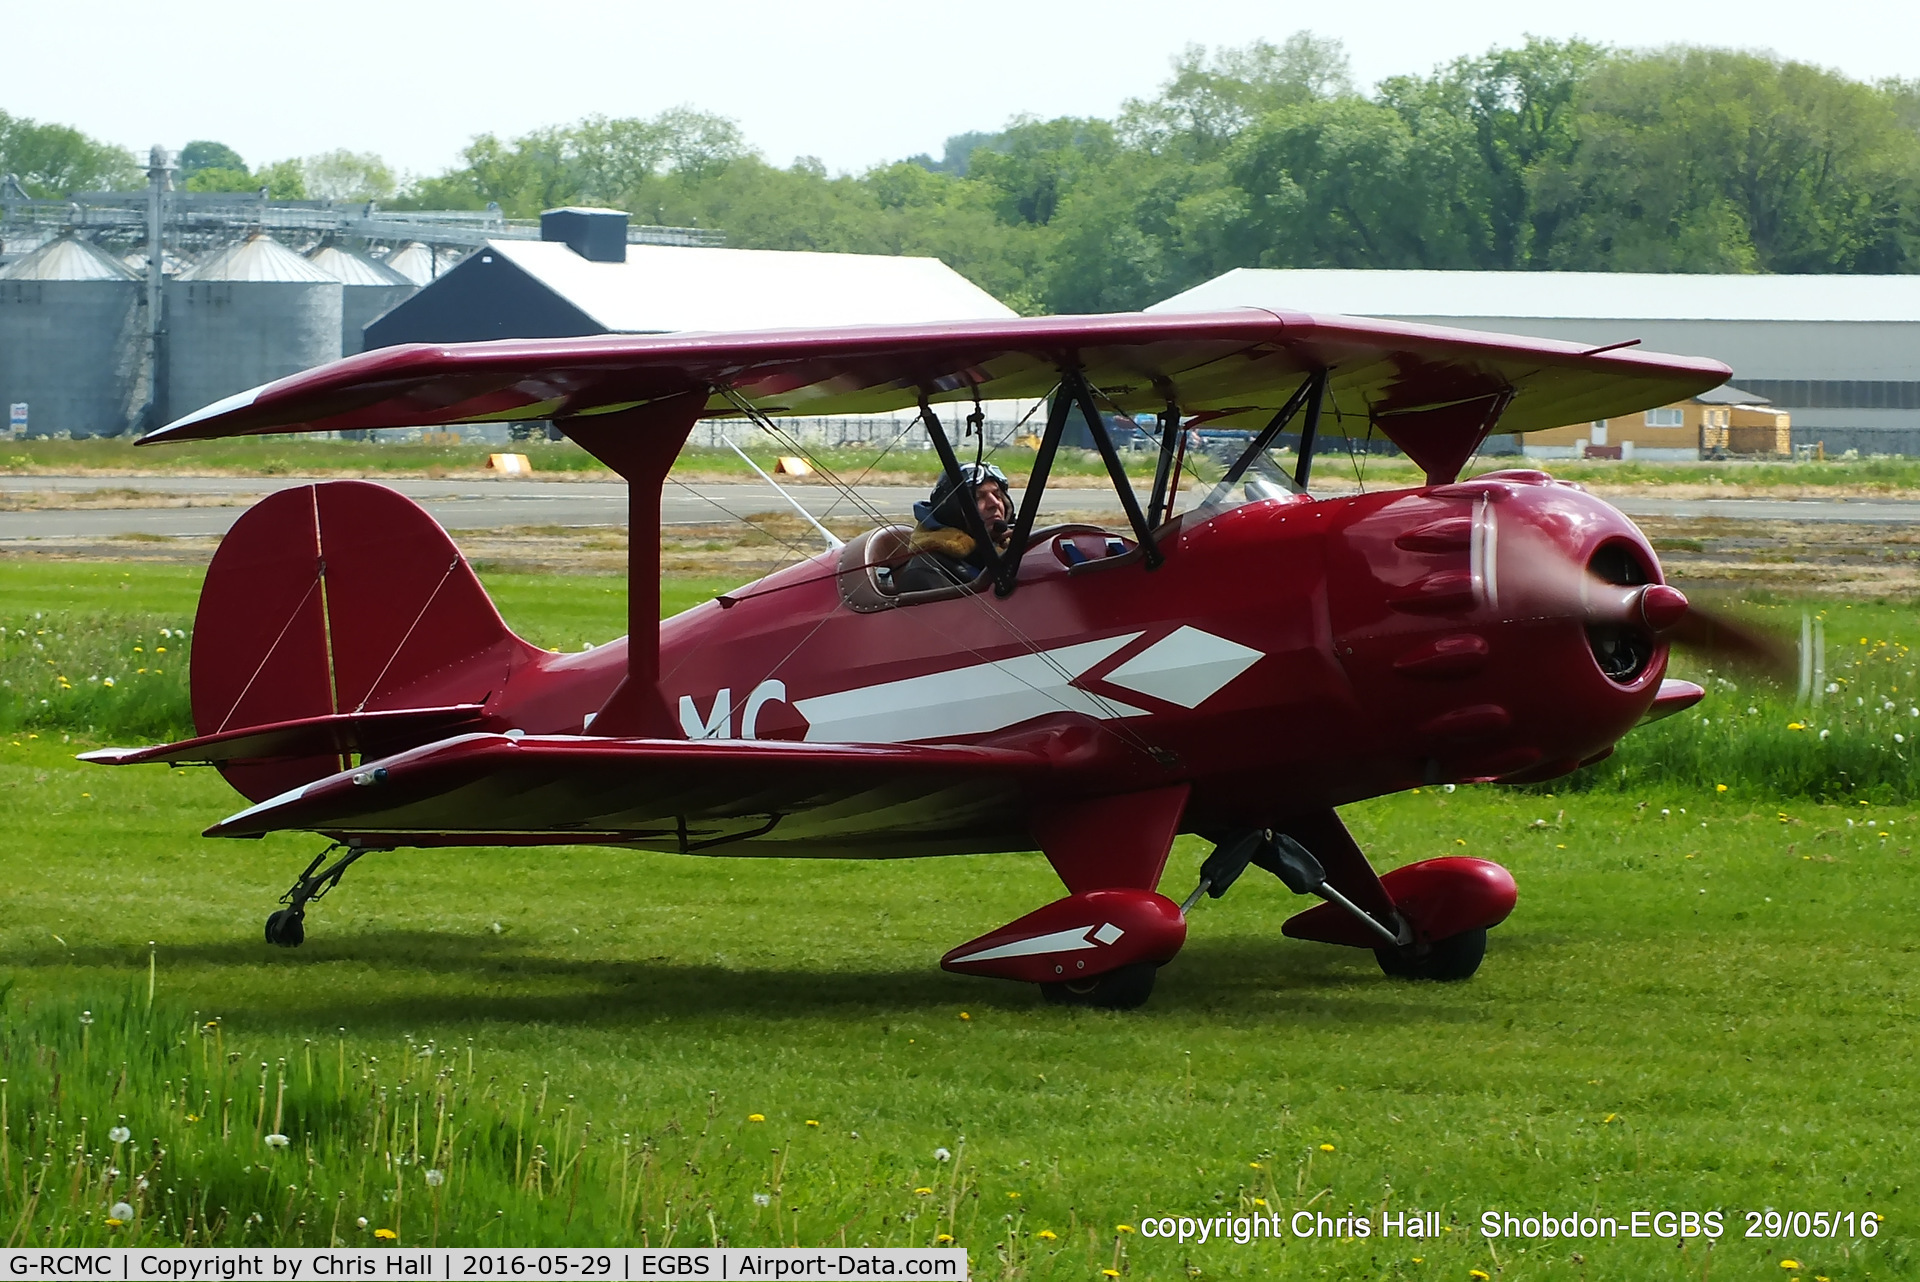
1407	381
787	798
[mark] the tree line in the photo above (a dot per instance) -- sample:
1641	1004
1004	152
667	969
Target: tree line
1553	155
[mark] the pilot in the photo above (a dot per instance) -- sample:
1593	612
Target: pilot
944	553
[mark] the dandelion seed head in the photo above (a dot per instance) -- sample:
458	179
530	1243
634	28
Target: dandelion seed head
119	1135
942	1155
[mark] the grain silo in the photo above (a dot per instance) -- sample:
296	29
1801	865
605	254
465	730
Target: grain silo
72	325
415	262
369	291
254	312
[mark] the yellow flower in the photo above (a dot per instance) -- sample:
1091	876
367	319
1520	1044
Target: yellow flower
1609	1117
1795	725
115	1224
756	1117
1123	1228
1477	1273
1326	1148
964	1015
1789	1264
1109	1273
386	1235
811	1122
1719	787
1459	841
1013	1195
944	1237
193	1117
923	1192
1259	1201
1047	1235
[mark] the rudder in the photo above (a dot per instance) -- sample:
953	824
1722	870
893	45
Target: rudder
335	598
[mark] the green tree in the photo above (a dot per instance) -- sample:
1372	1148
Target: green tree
1212	97
347	176
56	160
1714	160
1035	163
204	154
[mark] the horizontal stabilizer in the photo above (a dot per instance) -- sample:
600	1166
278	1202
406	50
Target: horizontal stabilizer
330	735
790	798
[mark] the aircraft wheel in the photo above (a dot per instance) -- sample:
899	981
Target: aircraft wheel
286	929
1124	989
1447	960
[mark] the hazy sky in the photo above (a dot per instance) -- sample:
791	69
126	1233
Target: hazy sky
852	81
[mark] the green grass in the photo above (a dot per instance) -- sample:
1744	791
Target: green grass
1631	1043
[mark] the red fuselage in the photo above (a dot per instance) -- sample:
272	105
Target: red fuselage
1290	655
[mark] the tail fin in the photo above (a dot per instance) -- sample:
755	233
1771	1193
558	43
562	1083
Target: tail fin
338	599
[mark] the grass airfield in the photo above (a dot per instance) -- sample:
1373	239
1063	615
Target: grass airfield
1704	1001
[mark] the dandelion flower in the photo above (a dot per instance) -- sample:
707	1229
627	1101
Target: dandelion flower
941	1155
1789	1264
1326	1148
119	1135
1047	1235
436	1178
763	1199
964	1015
923	1192
1795	725
1123	1228
1256	1166
277	1140
1259	1201
1479	1274
1013	1195
386	1235
1719	787
121	1211
811	1122
944	1237
756	1117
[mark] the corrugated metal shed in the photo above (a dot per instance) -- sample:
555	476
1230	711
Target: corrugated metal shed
1558	295
662	288
352	269
68	258
260	260
543	289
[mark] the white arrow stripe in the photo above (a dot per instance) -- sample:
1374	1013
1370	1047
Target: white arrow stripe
1060	941
970	700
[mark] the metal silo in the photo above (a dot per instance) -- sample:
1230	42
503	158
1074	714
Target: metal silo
415	262
369	291
254	312
71	327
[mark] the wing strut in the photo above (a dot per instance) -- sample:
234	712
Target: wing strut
1036	486
640	444
1103	441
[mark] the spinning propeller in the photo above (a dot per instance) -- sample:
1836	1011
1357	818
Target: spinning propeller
1627	613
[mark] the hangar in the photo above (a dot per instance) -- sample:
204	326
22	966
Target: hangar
1839	354
582	277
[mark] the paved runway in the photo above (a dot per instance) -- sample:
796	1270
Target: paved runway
478	505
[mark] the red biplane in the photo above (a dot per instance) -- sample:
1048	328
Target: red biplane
1238	667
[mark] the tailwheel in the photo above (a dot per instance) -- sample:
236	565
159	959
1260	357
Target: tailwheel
1126	988
1446	960
286	928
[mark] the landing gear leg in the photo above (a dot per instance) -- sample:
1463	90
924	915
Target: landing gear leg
286	927
1124	989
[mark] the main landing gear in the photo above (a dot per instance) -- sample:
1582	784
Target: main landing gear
1425	921
1124	989
286	927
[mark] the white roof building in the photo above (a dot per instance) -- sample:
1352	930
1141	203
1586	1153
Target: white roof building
1840	353
556	288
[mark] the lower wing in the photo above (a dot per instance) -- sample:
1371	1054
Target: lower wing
783	798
